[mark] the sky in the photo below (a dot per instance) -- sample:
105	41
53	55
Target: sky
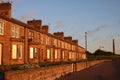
100	18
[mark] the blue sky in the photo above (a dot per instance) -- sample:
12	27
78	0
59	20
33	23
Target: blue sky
101	18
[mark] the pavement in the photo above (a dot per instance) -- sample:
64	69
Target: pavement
109	70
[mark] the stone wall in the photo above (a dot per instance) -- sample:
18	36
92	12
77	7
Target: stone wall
48	73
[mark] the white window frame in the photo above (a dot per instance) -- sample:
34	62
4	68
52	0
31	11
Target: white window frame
48	54
63	54
33	52
31	34
56	54
15	50
55	42
1	28
39	38
70	55
15	31
19	51
47	40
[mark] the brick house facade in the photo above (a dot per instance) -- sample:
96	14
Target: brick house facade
31	42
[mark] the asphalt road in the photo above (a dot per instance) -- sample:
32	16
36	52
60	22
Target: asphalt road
104	71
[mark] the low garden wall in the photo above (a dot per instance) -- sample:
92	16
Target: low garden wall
48	73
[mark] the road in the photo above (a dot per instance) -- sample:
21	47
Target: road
105	71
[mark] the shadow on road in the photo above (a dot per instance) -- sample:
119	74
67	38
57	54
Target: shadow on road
116	66
100	77
109	70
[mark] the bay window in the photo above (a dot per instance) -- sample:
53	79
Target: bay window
33	52
16	51
48	53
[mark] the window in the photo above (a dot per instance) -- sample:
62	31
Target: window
63	54
31	34
16	51
55	42
15	32
58	43
59	55
33	52
62	44
70	55
48	54
65	45
47	40
73	55
39	38
19	51
56	54
72	47
1	28
42	40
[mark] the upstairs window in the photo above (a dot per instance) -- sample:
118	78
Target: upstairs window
39	38
1	28
55	42
62	44
42	40
15	32
31	34
58	43
47	40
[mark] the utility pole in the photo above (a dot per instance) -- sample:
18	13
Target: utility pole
113	46
86	40
86	48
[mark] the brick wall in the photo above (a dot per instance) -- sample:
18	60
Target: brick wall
47	73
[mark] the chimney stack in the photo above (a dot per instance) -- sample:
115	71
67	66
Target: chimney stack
5	9
75	42
59	35
69	38
45	29
113	46
36	23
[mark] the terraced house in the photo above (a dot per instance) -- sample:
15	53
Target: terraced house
31	42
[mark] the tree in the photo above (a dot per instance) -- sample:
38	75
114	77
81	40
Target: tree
101	52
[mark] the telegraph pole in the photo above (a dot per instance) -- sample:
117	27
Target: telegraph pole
86	40
86	48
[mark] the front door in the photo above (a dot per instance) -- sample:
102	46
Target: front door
0	54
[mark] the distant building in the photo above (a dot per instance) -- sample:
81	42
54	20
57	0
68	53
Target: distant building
32	43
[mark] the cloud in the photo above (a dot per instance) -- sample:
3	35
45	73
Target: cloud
27	15
59	24
3	1
16	0
12	1
99	28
